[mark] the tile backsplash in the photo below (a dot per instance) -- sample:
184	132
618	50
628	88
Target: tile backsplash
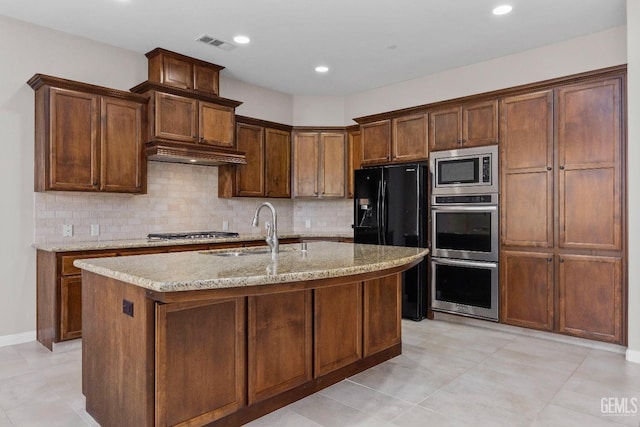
179	198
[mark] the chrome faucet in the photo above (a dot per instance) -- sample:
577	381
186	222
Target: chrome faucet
272	229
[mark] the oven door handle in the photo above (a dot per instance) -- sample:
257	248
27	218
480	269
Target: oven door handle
464	263
465	208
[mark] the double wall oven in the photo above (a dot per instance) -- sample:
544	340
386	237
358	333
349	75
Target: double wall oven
464	219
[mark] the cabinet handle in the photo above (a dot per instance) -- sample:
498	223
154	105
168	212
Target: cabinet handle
561	168
549	168
561	259
549	259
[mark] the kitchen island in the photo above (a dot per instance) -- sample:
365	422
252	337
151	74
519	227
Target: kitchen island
224	337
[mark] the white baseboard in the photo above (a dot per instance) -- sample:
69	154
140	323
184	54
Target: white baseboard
7	340
633	356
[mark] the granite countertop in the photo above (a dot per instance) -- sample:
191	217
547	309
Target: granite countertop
196	270
145	243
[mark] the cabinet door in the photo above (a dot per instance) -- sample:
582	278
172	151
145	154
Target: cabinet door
279	343
480	124
589	151
74	157
122	161
305	164
354	158
70	307
250	177
194	353
278	163
382	313
527	170
445	129
409	140
526	289
337	327
175	117
590	297
177	73
216	124
205	79
376	142
333	165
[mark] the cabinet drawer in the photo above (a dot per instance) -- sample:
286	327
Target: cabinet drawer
69	269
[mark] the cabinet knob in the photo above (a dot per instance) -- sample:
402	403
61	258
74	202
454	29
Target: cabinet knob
549	168
561	168
561	259
549	259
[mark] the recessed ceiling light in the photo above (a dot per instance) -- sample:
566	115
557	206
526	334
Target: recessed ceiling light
502	10
241	39
322	69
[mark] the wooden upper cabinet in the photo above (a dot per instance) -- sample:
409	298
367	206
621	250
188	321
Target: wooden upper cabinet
319	160
526	181
590	297
409	141
445	128
205	79
277	154
177	73
74	122
376	142
88	138
180	118
250	177
527	290
470	125
354	158
589	165
332	170
216	124
183	72
123	168
176	117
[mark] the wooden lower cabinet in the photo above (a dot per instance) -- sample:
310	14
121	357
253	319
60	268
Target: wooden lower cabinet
527	289
70	307
279	343
194	353
382	313
579	295
337	330
590	297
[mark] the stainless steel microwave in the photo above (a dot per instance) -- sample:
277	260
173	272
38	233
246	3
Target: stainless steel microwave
471	170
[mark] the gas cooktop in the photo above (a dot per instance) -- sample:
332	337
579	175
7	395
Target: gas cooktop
192	235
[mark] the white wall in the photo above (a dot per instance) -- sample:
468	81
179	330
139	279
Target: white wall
598	50
633	158
318	111
257	101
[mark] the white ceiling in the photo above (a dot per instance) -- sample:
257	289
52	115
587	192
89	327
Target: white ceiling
366	43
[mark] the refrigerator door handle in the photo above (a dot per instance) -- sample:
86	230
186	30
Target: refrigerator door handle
379	212
384	212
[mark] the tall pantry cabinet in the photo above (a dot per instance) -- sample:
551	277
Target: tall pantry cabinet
562	210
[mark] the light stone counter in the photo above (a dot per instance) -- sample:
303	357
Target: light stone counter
196	270
146	243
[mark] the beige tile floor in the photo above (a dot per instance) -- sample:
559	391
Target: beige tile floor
450	374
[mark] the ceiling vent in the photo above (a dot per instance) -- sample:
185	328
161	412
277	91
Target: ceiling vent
216	42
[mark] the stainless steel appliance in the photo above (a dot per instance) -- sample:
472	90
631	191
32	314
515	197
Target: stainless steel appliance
465	244
192	235
465	227
465	171
390	208
465	287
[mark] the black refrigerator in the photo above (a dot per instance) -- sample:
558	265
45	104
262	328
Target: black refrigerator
391	208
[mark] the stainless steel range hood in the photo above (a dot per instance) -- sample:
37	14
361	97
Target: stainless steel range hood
189	153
